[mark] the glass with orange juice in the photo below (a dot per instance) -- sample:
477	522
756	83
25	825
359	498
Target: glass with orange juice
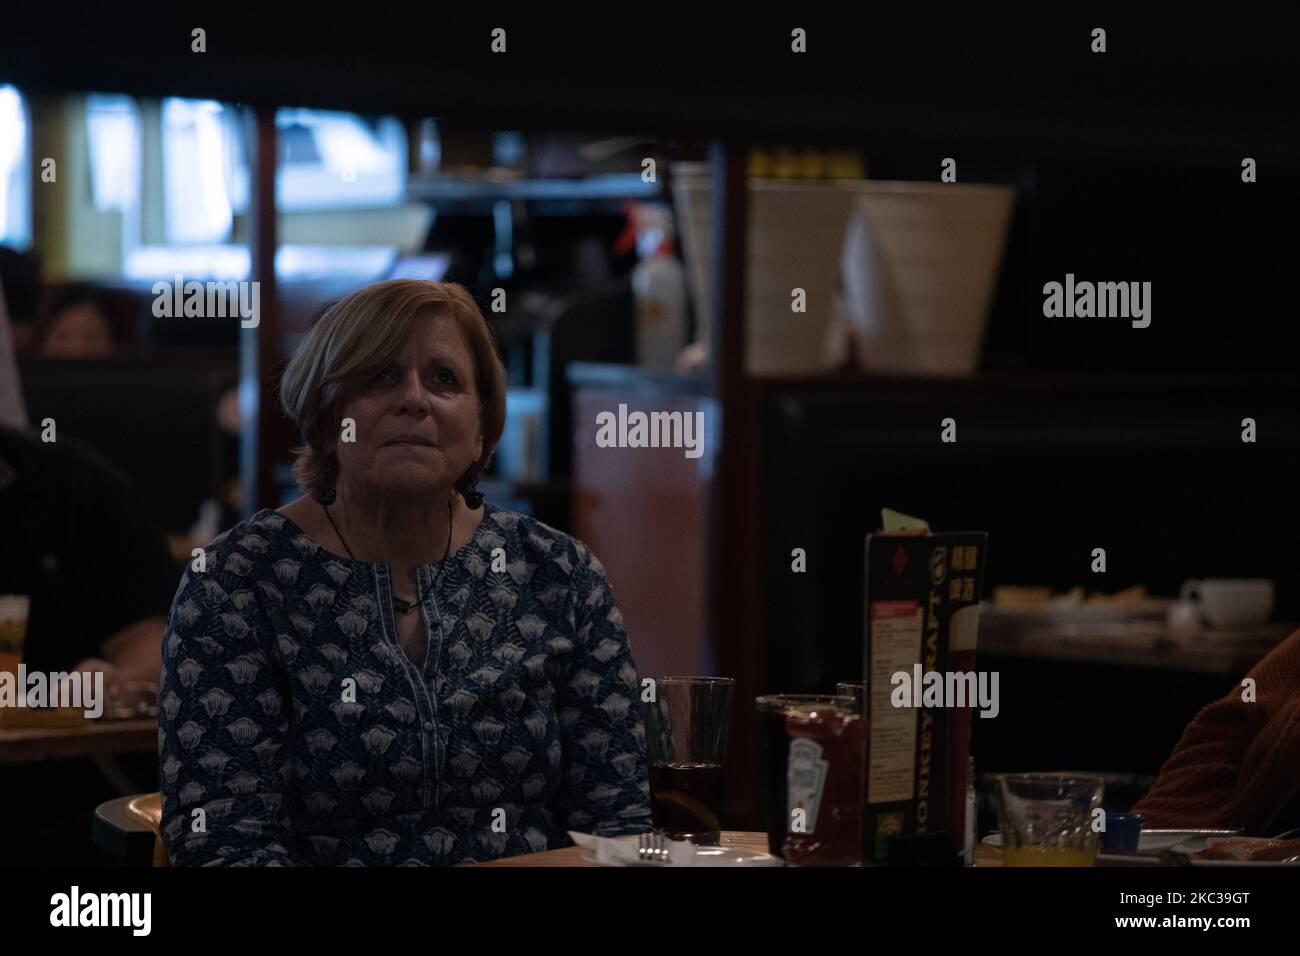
1049	819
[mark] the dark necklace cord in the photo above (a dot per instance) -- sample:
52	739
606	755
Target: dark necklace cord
400	605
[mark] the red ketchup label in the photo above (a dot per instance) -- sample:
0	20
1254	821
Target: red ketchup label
825	775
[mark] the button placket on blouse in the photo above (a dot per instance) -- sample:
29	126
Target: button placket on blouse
432	656
419	689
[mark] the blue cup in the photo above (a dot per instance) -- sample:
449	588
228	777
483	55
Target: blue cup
1121	833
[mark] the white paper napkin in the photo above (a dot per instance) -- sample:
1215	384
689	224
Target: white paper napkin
622	851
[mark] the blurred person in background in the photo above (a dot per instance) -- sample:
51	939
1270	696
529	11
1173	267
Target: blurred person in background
81	542
76	326
83	546
20	284
1238	762
13	408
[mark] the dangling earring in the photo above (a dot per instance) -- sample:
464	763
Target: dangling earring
326	491
473	499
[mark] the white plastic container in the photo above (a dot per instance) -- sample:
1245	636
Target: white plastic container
795	236
917	263
919	266
659	289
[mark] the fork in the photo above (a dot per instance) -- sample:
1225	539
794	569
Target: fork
650	848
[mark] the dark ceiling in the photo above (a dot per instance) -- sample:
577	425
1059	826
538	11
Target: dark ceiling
992	80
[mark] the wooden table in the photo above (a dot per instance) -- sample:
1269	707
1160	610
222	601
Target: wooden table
93	739
573	855
986	855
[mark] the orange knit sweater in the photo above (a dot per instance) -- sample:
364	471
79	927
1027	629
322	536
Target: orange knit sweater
1238	763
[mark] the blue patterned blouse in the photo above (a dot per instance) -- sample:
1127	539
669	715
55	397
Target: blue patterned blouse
291	716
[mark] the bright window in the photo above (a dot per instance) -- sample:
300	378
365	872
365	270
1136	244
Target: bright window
327	161
15	171
339	160
203	157
113	137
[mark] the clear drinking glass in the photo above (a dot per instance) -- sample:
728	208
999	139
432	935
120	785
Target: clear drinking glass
857	689
686	734
1047	818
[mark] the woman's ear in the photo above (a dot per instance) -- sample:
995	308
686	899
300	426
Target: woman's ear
325	446
328	438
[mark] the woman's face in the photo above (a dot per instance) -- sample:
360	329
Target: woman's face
417	420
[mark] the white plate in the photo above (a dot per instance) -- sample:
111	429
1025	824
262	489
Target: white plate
709	856
1193	846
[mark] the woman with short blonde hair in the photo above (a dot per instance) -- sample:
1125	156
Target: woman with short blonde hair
388	670
361	334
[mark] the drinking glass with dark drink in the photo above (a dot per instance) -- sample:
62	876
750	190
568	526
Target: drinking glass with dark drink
686	734
857	689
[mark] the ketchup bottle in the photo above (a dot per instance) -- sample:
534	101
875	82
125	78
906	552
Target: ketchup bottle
825	776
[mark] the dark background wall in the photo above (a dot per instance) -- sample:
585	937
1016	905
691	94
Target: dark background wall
1049	467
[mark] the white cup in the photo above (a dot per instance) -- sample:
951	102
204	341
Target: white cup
1231	602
